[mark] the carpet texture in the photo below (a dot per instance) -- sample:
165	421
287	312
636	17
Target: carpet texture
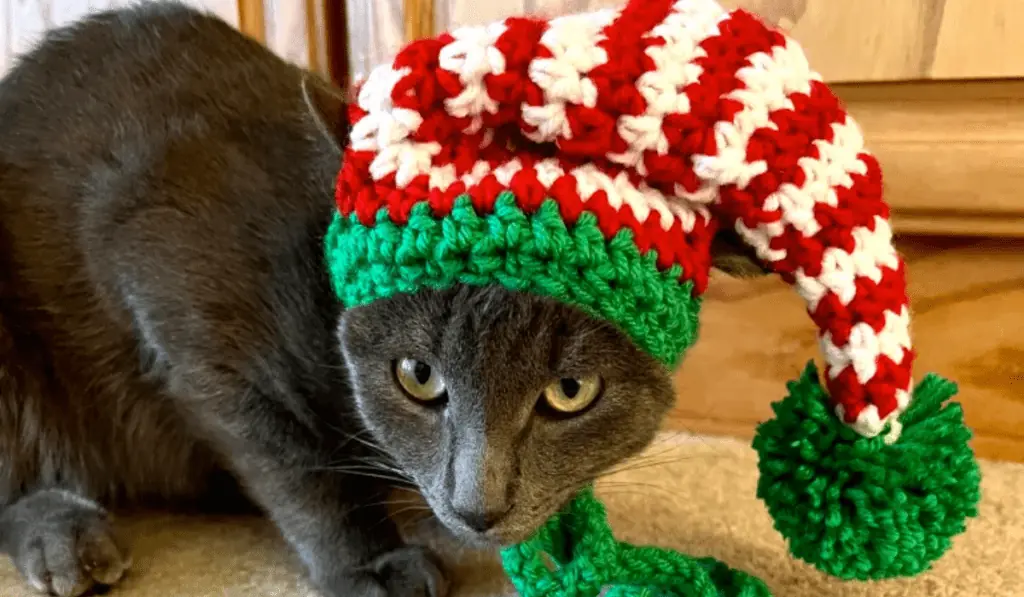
688	493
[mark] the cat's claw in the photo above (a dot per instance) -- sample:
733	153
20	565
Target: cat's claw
63	544
406	572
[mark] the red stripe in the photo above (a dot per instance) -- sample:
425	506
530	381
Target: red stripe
740	36
791	138
595	130
868	305
690	250
519	44
847	390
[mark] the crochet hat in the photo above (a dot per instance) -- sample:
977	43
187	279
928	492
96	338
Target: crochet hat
592	158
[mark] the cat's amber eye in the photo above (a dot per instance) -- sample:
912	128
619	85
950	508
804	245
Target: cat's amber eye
570	395
419	380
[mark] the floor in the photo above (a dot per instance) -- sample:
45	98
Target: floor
690	493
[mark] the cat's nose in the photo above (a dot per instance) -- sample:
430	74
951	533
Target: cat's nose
481	521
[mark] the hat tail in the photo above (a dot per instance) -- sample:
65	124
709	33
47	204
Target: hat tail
793	177
874	478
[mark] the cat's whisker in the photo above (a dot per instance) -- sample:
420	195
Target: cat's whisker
356	437
368	472
390	503
630	467
634	488
423	513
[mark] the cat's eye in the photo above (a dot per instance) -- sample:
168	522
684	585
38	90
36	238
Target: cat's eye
569	395
419	380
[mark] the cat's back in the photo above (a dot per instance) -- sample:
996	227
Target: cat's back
143	146
145	74
111	114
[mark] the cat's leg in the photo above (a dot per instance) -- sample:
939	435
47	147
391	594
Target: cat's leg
294	468
62	543
247	354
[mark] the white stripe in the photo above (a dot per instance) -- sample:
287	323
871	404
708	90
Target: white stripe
381	129
472	56
759	239
573	42
873	251
868	422
386	130
683	30
506	171
550	120
375	94
836	160
643	201
865	346
442	177
767	82
406	160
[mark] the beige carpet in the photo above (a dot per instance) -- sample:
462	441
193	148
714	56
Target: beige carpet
693	494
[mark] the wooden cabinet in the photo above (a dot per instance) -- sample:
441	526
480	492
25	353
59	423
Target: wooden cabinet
901	40
967	301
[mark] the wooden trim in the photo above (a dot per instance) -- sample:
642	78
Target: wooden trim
950	152
337	50
251	19
992	447
316	33
419	19
951	223
965	296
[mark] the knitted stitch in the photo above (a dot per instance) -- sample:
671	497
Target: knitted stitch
576	555
668	120
857	507
536	253
591	159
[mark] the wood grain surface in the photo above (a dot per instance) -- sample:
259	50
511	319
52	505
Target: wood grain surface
893	40
951	152
967	301
865	40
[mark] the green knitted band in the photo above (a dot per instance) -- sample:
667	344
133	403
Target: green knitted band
534	253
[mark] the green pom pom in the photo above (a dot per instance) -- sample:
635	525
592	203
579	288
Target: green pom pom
857	507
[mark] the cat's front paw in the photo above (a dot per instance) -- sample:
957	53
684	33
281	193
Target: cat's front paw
405	572
63	544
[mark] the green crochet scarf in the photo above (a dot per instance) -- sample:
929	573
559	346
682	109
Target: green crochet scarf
854	507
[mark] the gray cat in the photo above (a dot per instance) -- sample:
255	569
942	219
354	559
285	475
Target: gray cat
168	336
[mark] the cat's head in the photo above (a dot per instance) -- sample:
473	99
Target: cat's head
500	406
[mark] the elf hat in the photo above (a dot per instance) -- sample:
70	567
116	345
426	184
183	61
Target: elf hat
592	158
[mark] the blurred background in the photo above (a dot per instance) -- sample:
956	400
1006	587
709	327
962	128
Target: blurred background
937	86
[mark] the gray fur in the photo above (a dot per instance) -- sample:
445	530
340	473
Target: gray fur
168	336
490	466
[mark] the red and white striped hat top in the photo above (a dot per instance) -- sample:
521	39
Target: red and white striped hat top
668	118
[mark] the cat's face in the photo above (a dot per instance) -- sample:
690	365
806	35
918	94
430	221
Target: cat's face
499	406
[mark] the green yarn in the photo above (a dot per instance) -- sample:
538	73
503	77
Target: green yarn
857	507
854	507
575	555
534	253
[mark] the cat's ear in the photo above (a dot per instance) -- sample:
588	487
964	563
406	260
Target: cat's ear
329	108
733	257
